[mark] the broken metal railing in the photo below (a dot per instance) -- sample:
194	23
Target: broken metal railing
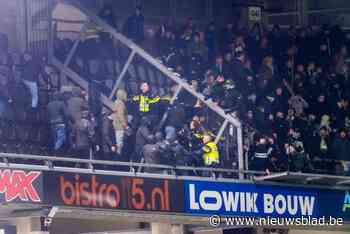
136	50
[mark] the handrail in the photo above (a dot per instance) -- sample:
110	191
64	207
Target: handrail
73	159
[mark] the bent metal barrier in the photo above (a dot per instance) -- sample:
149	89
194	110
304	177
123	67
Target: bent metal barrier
229	119
171	196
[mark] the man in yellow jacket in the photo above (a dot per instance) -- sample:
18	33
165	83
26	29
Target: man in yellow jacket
145	100
211	156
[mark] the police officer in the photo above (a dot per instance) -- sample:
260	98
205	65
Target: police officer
210	152
145	100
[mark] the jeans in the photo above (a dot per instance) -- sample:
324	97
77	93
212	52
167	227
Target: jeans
119	138
34	90
59	135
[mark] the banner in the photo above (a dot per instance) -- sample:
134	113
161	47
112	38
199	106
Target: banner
252	200
20	186
114	192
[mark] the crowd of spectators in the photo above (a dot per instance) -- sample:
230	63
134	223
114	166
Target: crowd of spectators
290	88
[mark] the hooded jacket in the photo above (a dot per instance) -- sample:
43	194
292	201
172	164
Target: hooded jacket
120	113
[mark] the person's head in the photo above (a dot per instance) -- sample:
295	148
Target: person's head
280	115
197	37
323	132
145	121
262	141
121	95
248	63
240	56
210	77
311	66
321	98
264	42
219	60
268	60
228	57
345	68
300	68
138	10
145	87
190	22
56	96
279	91
323	47
207	138
250	114
159	136
343	134
107	10
239	40
220	79
229	25
194	84
211	26
27	56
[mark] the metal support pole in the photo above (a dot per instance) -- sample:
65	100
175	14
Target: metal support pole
240	153
122	74
73	50
221	131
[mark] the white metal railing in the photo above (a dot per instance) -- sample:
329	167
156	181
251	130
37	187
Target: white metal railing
54	163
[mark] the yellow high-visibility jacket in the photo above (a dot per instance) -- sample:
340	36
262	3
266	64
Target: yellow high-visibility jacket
210	153
144	102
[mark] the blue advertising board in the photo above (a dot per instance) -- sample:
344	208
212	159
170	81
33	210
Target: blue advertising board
257	200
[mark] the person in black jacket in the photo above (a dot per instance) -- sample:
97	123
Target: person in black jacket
259	155
58	121
84	133
341	151
134	26
143	137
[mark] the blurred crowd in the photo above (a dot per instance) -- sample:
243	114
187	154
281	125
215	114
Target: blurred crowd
290	88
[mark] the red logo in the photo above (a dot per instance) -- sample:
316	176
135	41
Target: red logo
19	184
